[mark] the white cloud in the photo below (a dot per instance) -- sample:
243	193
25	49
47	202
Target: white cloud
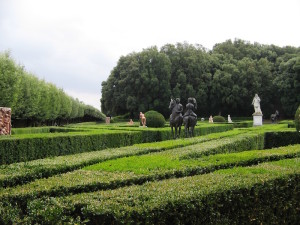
86	97
75	44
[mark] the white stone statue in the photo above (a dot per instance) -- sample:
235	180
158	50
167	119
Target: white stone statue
229	119
256	104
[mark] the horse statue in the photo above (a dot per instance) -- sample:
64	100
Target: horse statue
274	117
176	116
190	118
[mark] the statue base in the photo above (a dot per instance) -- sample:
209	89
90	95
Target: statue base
257	119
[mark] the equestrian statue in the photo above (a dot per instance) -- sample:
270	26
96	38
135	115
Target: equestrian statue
190	117
176	116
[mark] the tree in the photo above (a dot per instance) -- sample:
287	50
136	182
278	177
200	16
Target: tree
224	79
10	75
288	85
139	82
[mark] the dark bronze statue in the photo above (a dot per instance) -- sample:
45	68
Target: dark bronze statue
176	116
190	117
274	117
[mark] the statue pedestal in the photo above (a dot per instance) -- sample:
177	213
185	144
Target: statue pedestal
257	119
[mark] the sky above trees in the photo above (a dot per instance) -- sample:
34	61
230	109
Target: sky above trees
76	44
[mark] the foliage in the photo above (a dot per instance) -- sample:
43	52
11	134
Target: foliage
46	145
24	172
138	83
43	145
243	124
155	166
155	119
35	100
210	179
276	139
219	119
266	193
224	79
297	119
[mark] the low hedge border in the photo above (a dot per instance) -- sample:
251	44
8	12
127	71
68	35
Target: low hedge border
20	173
243	124
39	146
25	149
30	130
85	181
40	130
277	139
266	193
23	172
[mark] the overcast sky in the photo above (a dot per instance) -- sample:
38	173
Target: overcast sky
76	43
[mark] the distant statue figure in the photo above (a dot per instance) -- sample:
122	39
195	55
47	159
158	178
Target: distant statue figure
143	119
274	117
176	116
210	120
190	117
229	119
256	104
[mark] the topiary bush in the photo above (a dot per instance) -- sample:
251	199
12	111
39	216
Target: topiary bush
297	119
154	119
219	119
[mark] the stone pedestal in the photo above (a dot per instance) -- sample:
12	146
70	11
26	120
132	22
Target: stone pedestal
5	121
107	120
257	119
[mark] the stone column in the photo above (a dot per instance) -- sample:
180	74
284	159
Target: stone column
5	121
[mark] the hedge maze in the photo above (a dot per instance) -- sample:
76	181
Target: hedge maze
224	175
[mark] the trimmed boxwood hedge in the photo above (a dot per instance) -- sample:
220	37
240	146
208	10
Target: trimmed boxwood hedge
24	172
37	146
243	124
171	163
268	193
219	119
154	119
277	139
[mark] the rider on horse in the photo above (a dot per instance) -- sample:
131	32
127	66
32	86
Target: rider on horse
176	116
191	106
179	107
190	117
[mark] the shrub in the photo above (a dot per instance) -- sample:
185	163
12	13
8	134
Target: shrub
124	117
219	119
36	146
297	119
266	193
243	124
278	139
154	119
20	173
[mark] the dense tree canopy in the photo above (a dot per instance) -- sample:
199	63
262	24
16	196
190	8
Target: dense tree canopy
223	80
35	100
